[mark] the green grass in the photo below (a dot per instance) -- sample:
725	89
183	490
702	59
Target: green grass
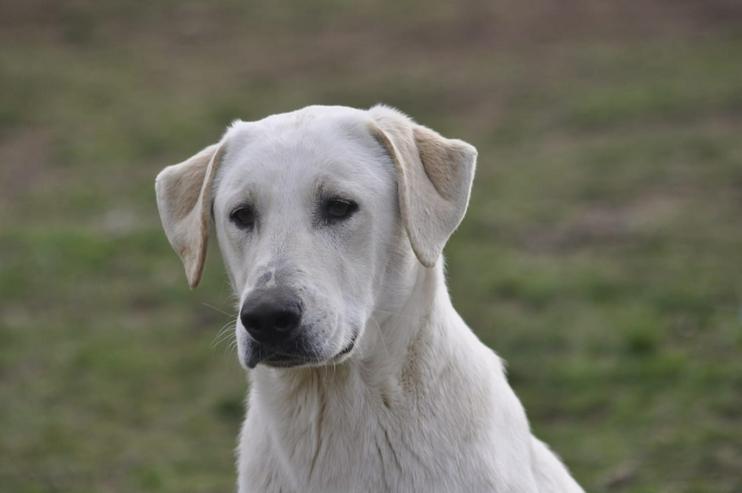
601	256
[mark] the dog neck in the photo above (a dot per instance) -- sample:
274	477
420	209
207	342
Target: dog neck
409	375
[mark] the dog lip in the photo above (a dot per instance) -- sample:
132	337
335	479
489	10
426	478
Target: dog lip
254	356
261	354
349	347
285	363
258	353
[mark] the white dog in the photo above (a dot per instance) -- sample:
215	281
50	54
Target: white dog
331	222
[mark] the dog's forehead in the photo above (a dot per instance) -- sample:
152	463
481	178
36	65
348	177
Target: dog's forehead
330	140
311	128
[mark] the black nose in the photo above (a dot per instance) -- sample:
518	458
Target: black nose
271	316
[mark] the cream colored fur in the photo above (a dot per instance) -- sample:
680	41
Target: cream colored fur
419	404
184	202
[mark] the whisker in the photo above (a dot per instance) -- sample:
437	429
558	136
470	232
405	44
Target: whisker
218	310
224	333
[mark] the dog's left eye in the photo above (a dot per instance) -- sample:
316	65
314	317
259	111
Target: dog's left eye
243	217
337	209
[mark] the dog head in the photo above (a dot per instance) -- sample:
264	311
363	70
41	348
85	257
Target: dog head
322	216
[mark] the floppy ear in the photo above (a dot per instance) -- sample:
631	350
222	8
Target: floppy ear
184	201
434	178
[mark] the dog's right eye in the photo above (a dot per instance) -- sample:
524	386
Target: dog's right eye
337	209
243	217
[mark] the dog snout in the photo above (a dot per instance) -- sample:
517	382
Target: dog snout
272	316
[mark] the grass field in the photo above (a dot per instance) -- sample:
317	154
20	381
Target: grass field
601	257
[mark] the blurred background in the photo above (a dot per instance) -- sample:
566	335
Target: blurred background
601	256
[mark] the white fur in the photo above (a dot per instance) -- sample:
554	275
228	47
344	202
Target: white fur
419	404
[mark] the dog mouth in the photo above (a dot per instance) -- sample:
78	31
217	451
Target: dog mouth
347	349
259	353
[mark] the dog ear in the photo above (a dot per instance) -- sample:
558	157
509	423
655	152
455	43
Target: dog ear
184	201
434	178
